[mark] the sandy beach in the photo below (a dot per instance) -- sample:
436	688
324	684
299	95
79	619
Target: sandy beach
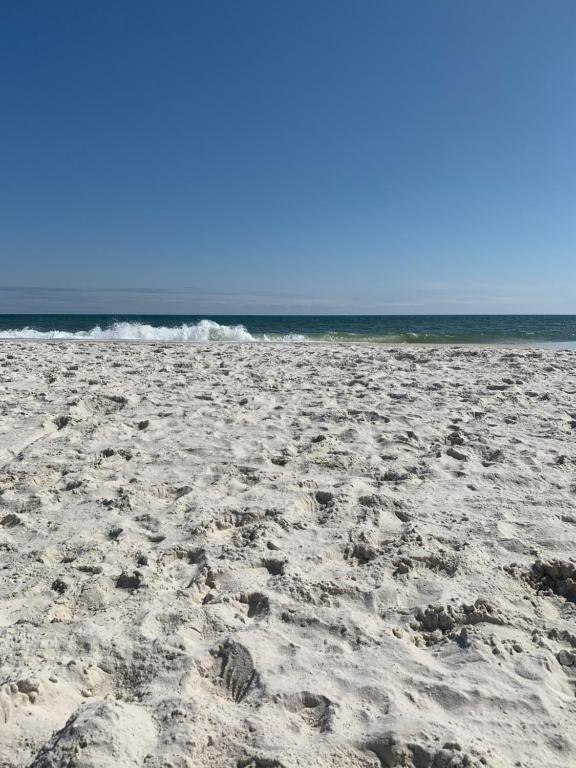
287	556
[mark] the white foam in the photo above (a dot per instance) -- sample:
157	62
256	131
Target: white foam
204	330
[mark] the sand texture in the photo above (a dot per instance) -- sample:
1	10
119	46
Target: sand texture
287	556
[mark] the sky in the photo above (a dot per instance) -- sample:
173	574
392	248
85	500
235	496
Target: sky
288	156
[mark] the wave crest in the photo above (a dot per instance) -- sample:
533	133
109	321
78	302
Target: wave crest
203	331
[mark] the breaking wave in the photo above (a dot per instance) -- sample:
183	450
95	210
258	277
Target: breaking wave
328	329
204	330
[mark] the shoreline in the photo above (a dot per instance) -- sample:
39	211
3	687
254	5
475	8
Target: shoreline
565	346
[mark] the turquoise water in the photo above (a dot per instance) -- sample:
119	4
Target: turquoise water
431	329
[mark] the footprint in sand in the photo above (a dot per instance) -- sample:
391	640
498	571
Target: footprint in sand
237	669
314	710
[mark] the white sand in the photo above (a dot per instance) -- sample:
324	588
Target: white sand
287	555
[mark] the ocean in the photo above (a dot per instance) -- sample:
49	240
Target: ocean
557	330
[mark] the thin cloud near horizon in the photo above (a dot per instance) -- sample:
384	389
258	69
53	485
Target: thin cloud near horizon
194	301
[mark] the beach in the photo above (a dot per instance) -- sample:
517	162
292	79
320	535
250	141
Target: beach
285	555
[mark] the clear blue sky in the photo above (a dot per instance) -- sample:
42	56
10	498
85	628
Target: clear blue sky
288	156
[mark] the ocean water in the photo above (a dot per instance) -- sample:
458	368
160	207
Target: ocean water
558	330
